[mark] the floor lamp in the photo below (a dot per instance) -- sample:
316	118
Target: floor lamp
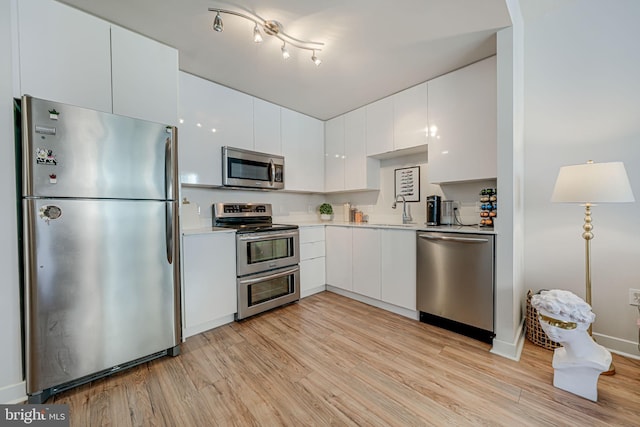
589	184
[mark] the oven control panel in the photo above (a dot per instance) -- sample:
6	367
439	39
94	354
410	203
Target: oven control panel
222	210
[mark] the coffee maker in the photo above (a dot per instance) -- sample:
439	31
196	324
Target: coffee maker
433	210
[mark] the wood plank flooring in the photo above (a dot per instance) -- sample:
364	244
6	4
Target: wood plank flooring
329	360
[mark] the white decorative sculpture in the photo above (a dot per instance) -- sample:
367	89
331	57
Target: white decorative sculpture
565	318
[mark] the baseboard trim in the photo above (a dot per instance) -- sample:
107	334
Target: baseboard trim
510	350
619	346
308	292
376	303
13	393
195	330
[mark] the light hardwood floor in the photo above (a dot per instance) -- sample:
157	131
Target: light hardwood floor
329	360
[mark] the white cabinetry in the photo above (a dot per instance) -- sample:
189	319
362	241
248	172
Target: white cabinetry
64	55
379	126
209	286
334	154
410	117
366	262
144	77
266	127
398	267
339	258
462	106
347	166
211	116
303	150
312	260
72	57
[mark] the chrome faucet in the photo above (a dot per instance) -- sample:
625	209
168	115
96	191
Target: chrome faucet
406	216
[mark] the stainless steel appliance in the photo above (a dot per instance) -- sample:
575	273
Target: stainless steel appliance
433	210
455	282
101	263
267	256
447	216
244	168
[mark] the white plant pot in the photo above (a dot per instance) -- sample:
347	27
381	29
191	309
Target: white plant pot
325	217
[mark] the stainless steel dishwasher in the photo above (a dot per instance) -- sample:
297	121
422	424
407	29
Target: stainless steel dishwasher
455	282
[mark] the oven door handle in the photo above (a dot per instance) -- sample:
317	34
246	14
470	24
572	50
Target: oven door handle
265	236
270	277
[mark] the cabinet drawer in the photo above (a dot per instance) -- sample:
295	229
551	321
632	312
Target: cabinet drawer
312	250
312	273
311	234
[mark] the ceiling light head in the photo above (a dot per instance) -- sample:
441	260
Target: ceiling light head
285	52
257	37
217	23
315	59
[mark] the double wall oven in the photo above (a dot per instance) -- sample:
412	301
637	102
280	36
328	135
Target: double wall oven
267	256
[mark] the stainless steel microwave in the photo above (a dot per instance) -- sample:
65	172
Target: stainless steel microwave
244	168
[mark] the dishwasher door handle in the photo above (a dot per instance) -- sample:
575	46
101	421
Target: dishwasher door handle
453	239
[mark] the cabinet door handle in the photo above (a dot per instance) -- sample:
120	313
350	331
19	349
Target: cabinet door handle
454	239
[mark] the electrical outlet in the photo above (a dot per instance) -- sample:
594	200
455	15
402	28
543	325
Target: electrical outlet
634	296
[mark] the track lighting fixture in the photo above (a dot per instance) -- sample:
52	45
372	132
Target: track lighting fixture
315	59
271	28
217	23
257	37
285	52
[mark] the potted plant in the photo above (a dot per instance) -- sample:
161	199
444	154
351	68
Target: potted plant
326	210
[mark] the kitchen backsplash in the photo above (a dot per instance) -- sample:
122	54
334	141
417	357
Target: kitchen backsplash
376	205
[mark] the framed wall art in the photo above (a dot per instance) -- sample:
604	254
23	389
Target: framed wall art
407	183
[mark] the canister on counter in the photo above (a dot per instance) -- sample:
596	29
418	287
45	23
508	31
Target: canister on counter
346	212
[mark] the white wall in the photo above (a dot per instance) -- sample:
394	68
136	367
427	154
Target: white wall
12	387
582	92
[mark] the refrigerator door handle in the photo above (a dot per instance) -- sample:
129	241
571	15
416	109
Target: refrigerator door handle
168	164
169	230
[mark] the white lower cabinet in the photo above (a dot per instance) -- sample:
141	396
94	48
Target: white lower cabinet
209	281
366	262
312	260
339	259
379	264
398	267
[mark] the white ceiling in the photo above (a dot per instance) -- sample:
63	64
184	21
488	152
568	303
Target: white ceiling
373	48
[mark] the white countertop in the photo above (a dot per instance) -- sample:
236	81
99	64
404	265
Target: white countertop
415	227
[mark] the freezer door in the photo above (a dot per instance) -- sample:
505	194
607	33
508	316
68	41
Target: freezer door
101	286
75	152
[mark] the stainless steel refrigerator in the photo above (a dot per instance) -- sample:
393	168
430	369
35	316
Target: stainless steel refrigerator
100	244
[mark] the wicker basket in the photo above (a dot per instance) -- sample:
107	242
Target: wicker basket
535	334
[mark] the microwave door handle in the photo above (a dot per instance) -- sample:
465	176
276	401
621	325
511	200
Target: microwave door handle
272	172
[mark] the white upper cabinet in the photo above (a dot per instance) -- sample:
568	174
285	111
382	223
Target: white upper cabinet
211	116
199	141
144	77
347	166
334	159
266	127
462	123
72	57
410	117
379	126
64	55
303	150
360	172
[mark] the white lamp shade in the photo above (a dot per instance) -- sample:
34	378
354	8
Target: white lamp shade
593	183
